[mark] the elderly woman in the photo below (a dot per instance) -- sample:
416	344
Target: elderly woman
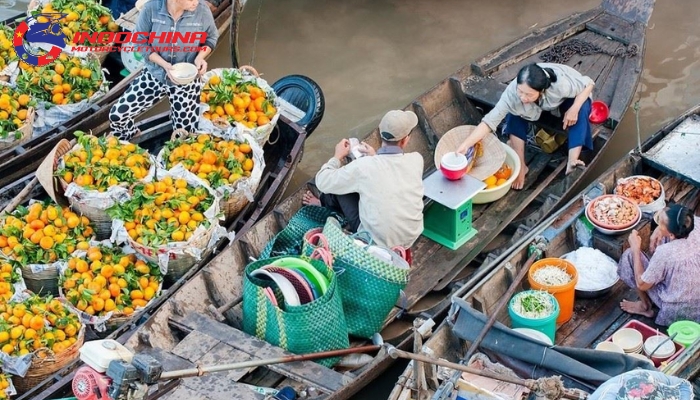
557	88
155	81
671	277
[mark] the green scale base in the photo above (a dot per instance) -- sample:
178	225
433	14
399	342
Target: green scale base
448	219
451	228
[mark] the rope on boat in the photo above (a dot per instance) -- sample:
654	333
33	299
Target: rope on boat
562	52
255	37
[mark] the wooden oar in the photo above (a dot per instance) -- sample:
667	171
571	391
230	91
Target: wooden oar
21	196
531	384
536	253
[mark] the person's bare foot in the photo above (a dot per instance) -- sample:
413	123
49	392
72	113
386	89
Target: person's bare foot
310	200
637	307
520	180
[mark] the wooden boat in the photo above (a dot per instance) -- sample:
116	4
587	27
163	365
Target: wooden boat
183	330
281	160
21	160
594	319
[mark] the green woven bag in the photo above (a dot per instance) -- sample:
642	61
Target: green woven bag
369	286
288	240
308	328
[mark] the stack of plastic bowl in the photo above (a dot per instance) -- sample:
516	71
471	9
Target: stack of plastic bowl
630	340
609	346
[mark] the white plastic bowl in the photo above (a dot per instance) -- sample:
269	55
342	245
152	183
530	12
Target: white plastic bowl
493	194
609	346
655	205
183	73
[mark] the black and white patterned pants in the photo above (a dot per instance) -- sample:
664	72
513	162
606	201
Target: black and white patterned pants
143	93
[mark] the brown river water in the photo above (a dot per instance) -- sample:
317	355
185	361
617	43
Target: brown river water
373	56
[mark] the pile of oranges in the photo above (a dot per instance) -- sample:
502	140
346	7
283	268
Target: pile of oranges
37	323
499	178
107	280
81	16
164	211
4	385
218	162
14	111
66	81
7	49
9	275
230	98
43	233
100	163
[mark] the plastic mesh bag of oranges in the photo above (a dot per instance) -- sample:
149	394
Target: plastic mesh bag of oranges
234	98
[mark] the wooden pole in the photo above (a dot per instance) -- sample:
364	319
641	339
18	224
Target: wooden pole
501	303
233	32
21	196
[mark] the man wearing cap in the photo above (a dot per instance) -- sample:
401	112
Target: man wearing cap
381	193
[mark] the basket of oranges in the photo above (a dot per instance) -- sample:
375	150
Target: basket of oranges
38	237
240	99
16	117
107	286
170	221
232	166
97	173
11	282
43	329
7	389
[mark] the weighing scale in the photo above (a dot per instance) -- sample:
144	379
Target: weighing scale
448	219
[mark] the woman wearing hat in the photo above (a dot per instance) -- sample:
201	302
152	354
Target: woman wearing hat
669	279
556	88
155	81
382	192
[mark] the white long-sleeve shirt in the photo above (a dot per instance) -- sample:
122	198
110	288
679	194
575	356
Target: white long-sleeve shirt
391	194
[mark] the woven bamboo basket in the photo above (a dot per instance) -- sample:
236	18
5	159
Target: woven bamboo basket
98	217
42	368
178	264
25	130
42	282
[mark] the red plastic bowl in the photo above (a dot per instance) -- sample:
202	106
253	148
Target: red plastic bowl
599	112
454	167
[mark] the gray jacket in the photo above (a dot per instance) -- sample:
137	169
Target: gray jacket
154	17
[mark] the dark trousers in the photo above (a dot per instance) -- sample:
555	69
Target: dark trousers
579	134
346	204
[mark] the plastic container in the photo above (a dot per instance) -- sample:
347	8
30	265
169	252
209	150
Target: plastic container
99	353
546	325
647	331
183	73
564	293
599	112
655	205
454	165
687	332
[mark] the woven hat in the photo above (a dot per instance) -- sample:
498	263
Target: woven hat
492	158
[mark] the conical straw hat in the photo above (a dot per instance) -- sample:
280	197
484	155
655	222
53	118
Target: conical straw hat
491	160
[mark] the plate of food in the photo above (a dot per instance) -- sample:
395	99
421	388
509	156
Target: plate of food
613	214
645	191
